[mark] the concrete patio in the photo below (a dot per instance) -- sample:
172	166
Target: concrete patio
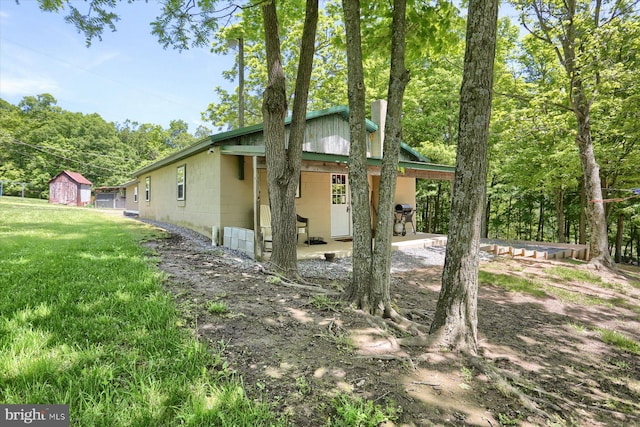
343	249
534	250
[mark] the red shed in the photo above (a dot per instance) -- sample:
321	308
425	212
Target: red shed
70	188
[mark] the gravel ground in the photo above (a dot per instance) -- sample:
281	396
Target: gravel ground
401	260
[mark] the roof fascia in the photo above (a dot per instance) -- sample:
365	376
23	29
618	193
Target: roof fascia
255	150
337	158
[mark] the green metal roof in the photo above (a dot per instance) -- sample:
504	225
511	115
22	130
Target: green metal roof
249	150
413	152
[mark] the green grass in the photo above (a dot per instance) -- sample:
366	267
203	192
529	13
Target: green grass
619	341
217	308
540	290
324	302
513	283
577	274
85	321
357	412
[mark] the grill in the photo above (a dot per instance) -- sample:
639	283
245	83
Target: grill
403	216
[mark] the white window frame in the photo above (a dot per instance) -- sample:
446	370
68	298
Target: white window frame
147	188
181	182
135	194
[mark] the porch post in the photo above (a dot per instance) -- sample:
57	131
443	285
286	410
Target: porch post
256	209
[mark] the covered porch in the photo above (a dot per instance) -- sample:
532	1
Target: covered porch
344	248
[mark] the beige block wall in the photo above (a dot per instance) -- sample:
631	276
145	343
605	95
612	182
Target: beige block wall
405	191
131	204
236	195
315	193
200	209
313	202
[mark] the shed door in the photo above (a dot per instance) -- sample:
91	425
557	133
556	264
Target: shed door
340	206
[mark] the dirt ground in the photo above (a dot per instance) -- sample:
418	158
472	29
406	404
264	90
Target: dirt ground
544	361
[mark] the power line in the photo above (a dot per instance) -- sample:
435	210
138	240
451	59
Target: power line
15	141
89	153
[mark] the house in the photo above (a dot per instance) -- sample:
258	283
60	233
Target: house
117	197
110	197
219	182
70	188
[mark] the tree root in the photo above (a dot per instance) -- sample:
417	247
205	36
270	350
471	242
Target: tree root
411	313
387	357
419	341
406	325
285	281
567	402
504	386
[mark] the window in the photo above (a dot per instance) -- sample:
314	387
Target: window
147	189
181	175
135	194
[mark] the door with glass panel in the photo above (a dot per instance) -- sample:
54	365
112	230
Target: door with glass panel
340	206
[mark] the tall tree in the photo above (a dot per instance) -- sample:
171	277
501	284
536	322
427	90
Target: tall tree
360	209
455	320
574	29
369	287
398	79
283	160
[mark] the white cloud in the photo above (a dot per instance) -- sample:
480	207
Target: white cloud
101	59
11	86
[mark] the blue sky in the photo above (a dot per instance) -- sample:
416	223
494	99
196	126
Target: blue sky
127	75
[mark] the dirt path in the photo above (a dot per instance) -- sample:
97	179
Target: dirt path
298	350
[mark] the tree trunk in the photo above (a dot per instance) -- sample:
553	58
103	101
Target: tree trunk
619	236
637	237
487	212
510	209
425	217
398	79
540	231
582	226
455	321
598	238
283	163
560	214
357	291
436	214
564	27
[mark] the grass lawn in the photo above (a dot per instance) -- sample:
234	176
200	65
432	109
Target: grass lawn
85	321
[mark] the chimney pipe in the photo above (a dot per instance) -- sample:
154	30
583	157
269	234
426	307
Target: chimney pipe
378	116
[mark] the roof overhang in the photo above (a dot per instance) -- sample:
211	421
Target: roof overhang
323	162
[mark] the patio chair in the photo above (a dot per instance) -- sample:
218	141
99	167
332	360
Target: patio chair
265	226
302	227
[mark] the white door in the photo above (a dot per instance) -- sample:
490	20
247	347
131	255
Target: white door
340	206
